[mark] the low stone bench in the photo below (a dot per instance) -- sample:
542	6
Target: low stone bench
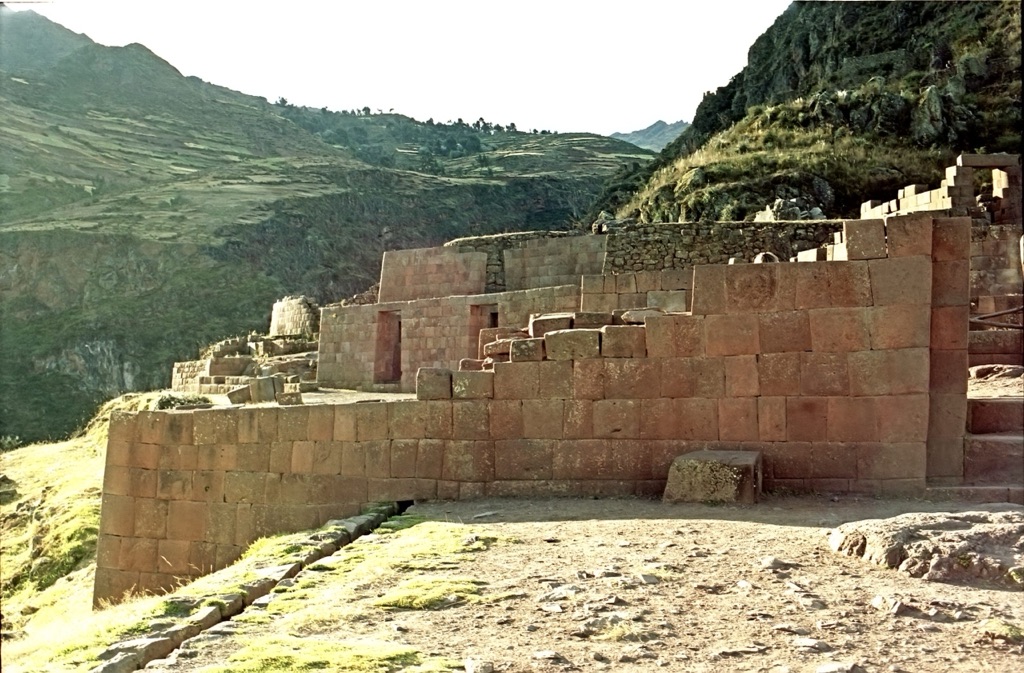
715	476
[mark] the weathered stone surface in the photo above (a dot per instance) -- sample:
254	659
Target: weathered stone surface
433	383
715	476
983	543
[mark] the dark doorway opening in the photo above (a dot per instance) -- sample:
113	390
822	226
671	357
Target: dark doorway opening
387	366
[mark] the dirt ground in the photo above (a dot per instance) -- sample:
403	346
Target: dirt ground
609	584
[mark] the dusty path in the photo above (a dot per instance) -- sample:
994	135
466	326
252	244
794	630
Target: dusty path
610	584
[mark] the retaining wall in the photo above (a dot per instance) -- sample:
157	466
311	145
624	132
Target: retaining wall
425	273
847	376
654	247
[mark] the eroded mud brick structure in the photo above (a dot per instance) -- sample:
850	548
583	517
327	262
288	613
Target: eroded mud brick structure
847	374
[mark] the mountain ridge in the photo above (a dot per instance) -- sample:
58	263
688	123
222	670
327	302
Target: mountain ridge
655	137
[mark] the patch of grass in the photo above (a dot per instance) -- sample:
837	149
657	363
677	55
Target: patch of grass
400	522
291	653
430	593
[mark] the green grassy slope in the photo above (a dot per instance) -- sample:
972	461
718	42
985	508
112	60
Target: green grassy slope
143	213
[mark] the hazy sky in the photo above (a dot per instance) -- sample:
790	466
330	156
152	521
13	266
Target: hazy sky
556	64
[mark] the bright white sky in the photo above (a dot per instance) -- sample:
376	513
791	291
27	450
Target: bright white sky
563	65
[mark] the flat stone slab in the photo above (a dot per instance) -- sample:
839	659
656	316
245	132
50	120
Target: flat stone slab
986	543
715	476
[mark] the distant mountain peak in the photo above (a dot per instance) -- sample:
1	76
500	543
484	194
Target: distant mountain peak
655	136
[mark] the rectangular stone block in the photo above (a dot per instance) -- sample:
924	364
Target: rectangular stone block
623	341
715	476
903	280
753	288
433	383
555	380
658	419
591	284
677	301
948	372
693	377
947	416
378	459
523	459
951	283
737	419
578	419
784	331
709	295
632	378
186	520
573	344
526	350
588	379
949	327
902	418
891	461
674	336
472	385
811	288
806	419
150	518
849	283
591	319
429	458
677	279
771	419
698	419
371	420
824	374
779	374
833	460
407	418
951	239
471	461
732	335
839	330
506	419
865	239
616	419
899	326
741	376
909	235
516	380
852	419
471	419
214	426
117	515
542	419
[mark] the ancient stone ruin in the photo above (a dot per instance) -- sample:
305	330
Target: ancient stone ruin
585	366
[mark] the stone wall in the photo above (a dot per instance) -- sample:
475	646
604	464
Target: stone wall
496	245
433	333
995	259
653	247
425	273
294	316
668	290
185	375
845	375
553	261
956	191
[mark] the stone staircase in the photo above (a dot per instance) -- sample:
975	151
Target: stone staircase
993	453
995	347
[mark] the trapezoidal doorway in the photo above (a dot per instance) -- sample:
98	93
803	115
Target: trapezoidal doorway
387	361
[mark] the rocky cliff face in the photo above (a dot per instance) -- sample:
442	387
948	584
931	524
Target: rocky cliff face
863	96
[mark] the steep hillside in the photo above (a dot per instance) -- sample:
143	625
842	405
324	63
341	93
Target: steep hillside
655	136
840	102
143	213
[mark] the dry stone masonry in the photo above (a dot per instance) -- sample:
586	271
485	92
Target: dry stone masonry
589	366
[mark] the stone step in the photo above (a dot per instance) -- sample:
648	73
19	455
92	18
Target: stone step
994	459
995	341
975	359
997	414
994	493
